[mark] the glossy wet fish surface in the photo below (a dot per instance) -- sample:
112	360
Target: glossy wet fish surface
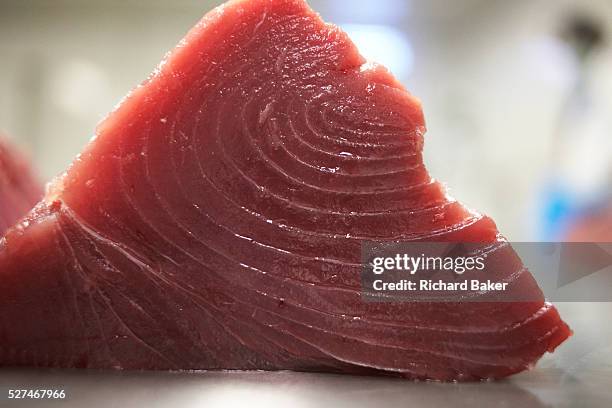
216	222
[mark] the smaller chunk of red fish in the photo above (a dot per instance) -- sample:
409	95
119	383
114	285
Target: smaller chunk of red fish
20	190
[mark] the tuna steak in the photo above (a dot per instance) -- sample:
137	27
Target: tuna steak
19	189
215	222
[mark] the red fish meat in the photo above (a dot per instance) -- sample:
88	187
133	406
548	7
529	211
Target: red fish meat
215	222
19	188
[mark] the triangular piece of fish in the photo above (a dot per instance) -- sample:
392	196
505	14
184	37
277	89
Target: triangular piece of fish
216	222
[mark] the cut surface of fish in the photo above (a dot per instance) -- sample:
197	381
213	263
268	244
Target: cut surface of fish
216	222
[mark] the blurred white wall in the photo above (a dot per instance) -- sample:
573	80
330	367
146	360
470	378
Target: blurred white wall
492	76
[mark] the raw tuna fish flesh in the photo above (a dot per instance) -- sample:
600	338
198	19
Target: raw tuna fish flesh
19	189
215	222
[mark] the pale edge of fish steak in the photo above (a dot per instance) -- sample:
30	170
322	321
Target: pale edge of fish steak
215	222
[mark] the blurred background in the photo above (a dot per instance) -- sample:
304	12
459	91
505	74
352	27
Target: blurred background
517	95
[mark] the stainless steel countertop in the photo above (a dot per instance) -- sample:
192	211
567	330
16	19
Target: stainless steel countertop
579	374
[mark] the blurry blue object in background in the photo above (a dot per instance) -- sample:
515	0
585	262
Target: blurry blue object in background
558	209
579	185
563	211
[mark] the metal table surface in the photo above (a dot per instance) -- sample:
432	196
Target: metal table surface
579	374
